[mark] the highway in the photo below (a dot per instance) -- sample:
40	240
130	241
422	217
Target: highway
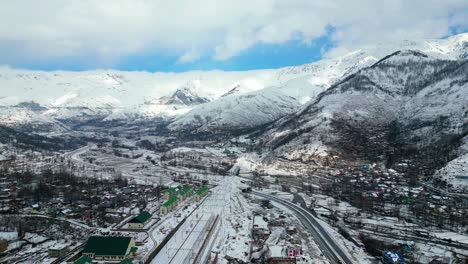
327	244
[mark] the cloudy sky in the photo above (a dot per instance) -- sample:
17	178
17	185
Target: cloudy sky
180	35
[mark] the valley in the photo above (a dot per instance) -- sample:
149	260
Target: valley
347	160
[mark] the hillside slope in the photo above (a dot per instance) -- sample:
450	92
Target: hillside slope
409	105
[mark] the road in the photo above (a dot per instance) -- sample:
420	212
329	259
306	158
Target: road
327	244
444	192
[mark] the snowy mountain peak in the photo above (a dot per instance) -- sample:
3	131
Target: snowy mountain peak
184	95
244	86
31	105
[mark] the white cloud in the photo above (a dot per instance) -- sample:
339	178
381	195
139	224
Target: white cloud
190	56
108	30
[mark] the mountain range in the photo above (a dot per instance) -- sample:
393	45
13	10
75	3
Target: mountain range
193	100
390	103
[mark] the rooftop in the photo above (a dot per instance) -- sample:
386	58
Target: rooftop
172	190
202	190
171	200
185	190
126	261
83	260
107	246
141	218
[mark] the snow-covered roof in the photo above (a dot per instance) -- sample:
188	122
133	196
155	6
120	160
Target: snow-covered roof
276	251
260	223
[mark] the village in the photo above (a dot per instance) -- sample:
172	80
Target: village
149	202
379	209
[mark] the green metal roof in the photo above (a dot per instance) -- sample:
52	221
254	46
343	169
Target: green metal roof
171	191
107	246
141	218
171	200
202	190
83	260
185	190
126	261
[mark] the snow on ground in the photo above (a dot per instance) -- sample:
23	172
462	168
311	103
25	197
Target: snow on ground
246	163
451	236
8	236
106	164
34	238
456	171
326	204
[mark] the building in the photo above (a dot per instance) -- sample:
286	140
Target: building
170	192
83	260
169	205
109	249
260	228
140	220
186	192
202	192
58	251
278	256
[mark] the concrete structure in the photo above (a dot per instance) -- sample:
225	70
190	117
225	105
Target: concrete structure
170	192
109	249
140	220
278	255
58	251
260	228
169	205
202	192
185	192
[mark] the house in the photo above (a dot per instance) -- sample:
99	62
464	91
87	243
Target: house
109	249
278	256
260	228
140	220
202	192
83	260
58	251
186	192
169	205
170	192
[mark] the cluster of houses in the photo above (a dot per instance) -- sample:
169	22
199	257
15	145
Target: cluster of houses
283	253
175	195
97	202
385	191
105	249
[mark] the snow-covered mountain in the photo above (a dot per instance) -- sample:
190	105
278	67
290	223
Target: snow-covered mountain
110	94
185	95
408	105
302	83
178	103
237	112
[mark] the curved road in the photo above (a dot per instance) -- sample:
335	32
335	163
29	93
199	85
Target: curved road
328	245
